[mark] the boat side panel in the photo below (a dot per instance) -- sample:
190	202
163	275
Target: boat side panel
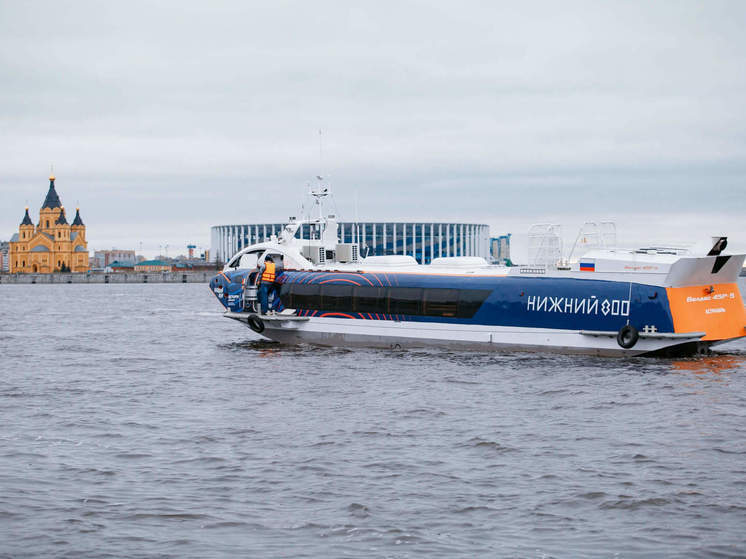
556	303
576	305
715	309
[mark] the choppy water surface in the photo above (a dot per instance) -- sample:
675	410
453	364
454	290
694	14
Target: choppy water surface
137	422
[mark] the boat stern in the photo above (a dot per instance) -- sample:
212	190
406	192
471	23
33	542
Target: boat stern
704	296
716	309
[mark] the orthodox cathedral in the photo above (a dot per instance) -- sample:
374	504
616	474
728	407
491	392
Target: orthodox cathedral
53	245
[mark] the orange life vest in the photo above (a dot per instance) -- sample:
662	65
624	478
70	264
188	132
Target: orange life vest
269	272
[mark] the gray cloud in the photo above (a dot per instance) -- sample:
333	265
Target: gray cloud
165	118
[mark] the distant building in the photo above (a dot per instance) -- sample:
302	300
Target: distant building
422	241
153	266
4	249
196	265
163	265
103	258
118	266
53	245
500	249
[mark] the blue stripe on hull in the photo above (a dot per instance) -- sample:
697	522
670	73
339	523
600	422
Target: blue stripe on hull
532	302
575	304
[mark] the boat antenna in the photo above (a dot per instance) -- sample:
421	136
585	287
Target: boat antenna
336	208
321	153
321	169
357	220
319	193
307	213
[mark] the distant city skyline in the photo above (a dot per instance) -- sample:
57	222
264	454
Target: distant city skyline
165	119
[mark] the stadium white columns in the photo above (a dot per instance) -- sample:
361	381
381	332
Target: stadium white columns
446	239
440	240
432	241
421	230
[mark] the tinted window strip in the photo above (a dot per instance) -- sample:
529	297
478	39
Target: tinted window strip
412	301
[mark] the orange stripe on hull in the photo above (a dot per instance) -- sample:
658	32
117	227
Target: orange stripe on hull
718	311
336	314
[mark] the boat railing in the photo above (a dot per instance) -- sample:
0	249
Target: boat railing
591	236
544	245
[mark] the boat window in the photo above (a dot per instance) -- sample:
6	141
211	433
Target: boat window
441	302
300	296
286	295
336	297
405	300
469	301
412	301
248	260
369	299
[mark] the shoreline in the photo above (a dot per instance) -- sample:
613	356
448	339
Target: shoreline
103	277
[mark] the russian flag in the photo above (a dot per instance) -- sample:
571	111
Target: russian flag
587	266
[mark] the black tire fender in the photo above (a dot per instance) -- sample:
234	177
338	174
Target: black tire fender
627	336
256	324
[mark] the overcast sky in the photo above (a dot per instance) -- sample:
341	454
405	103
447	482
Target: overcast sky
164	118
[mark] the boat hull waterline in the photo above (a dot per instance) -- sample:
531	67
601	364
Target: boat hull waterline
338	333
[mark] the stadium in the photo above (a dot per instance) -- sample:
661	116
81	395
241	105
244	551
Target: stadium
422	240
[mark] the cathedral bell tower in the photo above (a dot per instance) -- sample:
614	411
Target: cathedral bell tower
26	229
61	227
51	209
78	226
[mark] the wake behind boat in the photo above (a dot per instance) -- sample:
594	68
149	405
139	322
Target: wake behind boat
607	301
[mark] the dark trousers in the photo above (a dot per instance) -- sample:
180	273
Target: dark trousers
262	294
276	302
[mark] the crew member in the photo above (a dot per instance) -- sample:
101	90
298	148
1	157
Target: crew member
266	280
277	284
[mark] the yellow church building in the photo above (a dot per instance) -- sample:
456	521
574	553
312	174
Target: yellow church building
53	245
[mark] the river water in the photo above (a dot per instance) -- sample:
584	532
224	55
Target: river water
137	422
